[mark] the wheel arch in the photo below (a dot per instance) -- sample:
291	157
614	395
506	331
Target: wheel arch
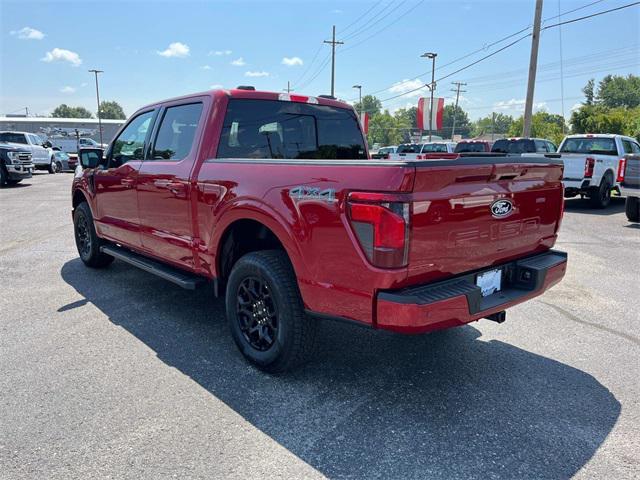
249	231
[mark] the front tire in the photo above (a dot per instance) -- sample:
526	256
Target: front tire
600	197
265	312
87	241
3	177
632	209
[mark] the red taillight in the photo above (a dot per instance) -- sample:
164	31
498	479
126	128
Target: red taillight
621	166
589	165
382	229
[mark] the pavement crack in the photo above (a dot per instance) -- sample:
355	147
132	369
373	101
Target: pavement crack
576	319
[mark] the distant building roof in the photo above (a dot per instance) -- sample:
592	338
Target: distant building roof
23	119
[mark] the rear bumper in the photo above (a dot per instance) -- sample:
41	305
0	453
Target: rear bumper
574	185
458	301
629	190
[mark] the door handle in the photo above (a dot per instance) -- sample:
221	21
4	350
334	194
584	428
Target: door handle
127	182
177	188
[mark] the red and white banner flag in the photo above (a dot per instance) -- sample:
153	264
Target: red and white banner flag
424	113
364	121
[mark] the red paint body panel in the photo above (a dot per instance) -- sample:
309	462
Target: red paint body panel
178	212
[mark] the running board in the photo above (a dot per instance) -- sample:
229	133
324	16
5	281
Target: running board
179	277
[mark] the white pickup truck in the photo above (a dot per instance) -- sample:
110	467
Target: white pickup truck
594	165
41	156
419	151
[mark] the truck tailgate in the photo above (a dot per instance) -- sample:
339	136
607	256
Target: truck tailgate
573	165
472	213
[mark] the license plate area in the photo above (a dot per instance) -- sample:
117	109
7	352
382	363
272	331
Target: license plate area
489	282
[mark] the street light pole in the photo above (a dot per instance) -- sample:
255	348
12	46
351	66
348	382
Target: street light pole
432	56
96	72
359	87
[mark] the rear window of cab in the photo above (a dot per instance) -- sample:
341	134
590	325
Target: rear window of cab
273	129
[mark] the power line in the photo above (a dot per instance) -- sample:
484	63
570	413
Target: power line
371	22
512	44
573	20
486	46
360	17
380	30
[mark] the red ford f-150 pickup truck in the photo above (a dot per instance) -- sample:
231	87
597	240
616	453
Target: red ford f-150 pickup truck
272	198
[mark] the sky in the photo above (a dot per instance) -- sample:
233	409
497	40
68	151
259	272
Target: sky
152	50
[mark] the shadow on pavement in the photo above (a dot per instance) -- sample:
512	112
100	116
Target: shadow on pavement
581	205
446	405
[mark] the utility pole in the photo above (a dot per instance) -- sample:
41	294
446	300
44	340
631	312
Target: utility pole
455	110
333	44
96	72
493	125
288	86
432	87
533	65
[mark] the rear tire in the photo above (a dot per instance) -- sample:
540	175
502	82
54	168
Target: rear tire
87	241
600	197
632	209
265	312
58	167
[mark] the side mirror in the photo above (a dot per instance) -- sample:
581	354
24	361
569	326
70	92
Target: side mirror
90	157
47	144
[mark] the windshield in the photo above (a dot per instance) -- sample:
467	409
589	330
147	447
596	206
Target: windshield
410	148
61	155
434	147
275	129
522	145
13	137
604	146
469	147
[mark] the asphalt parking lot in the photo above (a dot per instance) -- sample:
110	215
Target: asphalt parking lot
118	374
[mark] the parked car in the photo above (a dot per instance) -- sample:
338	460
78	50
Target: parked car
594	165
272	198
63	162
476	146
15	164
523	145
419	151
42	156
70	144
630	186
383	152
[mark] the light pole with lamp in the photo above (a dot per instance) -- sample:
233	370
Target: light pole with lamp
432	87
359	87
96	72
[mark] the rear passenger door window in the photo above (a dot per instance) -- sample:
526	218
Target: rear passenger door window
176	132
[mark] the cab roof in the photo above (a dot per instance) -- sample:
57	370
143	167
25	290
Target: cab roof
257	95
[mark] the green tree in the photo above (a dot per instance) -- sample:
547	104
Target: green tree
543	125
65	111
111	110
463	125
601	119
372	105
385	129
496	123
617	91
407	117
589	92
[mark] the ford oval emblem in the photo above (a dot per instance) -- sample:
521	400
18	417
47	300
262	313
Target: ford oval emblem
501	208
